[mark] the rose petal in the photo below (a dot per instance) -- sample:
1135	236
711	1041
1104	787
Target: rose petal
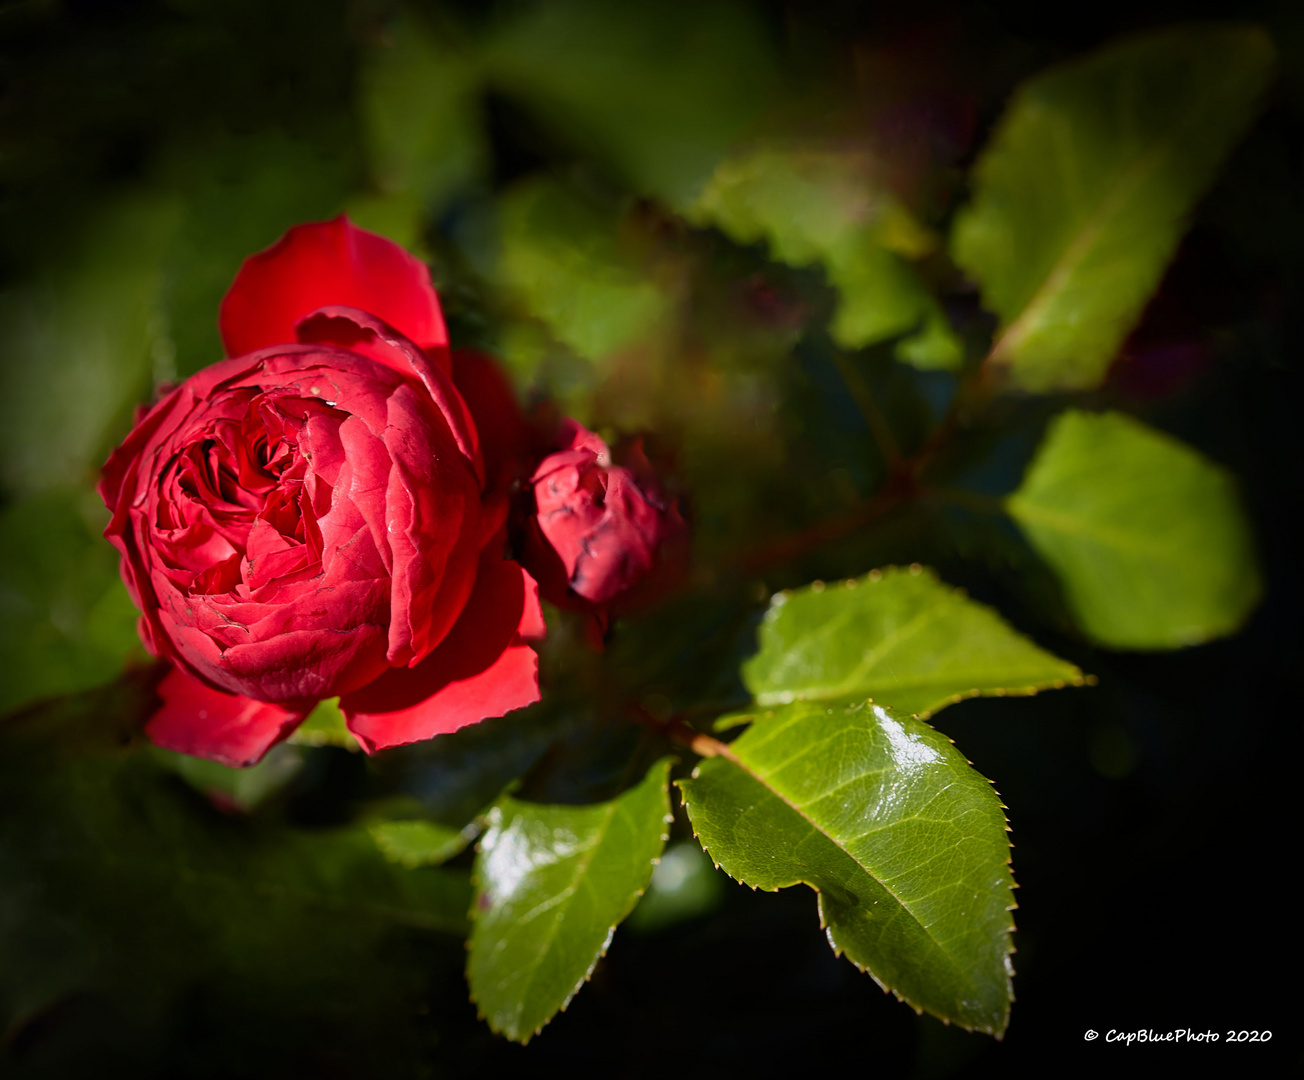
482	669
196	719
505	438
363	332
330	262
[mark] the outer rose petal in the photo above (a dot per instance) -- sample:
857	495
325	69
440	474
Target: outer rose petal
482	669
330	262
505	437
233	730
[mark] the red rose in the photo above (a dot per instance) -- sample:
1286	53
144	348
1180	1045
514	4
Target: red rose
600	536
311	519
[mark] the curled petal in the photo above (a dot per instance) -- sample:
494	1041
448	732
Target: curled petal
330	262
482	669
226	728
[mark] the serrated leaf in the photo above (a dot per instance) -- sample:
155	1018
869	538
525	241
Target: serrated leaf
813	206
554	881
898	636
1147	535
1084	192
903	841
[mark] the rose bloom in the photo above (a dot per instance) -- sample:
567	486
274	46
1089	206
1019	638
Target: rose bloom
317	516
601	537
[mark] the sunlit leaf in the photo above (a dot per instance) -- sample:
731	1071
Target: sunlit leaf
814	206
1147	536
325	726
660	92
904	843
563	258
1085	190
554	881
898	636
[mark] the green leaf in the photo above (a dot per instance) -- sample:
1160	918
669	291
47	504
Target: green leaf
1147	536
822	206
562	257
419	843
1085	190
554	881
899	637
325	726
904	843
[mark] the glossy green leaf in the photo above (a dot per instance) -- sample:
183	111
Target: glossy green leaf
563	259
812	206
1147	536
903	841
899	637
1085	190
554	881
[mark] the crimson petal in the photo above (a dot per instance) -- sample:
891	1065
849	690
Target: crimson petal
330	262
227	728
482	669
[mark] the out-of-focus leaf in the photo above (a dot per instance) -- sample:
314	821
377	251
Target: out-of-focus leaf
121	887
66	622
554	882
79	343
684	885
662	92
904	843
1081	198
563	259
825	206
325	726
419	843
899	637
1147	536
237	789
420	106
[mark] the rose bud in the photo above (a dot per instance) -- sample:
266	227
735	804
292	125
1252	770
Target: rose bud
311	518
600	537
